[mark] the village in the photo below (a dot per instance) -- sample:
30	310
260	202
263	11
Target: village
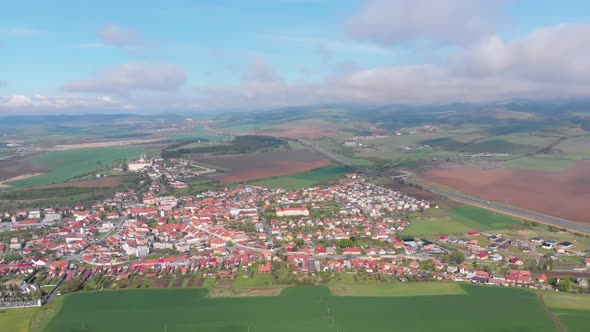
352	228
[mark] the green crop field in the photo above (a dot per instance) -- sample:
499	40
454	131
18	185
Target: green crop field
301	308
481	219
16	320
459	219
199	134
572	310
575	147
545	164
302	180
434	227
197	185
527	138
397	289
23	199
567	301
71	164
572	319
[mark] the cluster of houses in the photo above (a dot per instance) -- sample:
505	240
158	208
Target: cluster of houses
175	171
360	209
502	248
228	230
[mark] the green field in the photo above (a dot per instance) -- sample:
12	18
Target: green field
199	134
16	320
567	301
541	164
572	319
397	289
302	180
197	185
72	164
435	227
27	198
572	310
458	219
253	279
302	308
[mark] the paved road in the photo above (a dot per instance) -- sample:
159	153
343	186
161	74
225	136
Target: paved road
524	214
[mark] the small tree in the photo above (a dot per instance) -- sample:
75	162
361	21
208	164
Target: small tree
70	286
299	243
345	243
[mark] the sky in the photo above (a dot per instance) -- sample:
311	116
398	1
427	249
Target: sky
151	56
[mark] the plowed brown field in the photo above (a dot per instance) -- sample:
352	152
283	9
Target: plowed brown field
14	167
563	194
267	164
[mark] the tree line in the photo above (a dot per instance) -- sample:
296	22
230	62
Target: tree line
239	145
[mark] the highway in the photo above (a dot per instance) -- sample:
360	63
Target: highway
515	212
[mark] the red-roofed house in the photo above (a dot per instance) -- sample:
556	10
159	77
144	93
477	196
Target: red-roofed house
265	268
321	250
482	255
351	251
542	278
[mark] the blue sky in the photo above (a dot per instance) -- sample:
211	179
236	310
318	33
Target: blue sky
69	56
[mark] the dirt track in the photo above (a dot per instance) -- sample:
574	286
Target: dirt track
16	178
564	194
103	144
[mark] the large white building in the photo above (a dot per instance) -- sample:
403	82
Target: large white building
292	212
137	166
133	249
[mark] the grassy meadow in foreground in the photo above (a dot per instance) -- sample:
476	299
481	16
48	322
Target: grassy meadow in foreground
303	308
572	310
16	320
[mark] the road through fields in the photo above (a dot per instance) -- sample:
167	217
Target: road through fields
515	212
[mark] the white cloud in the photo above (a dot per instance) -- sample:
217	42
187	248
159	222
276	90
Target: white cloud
43	103
457	21
20	31
259	71
126	78
548	63
119	36
329	46
18	101
553	62
124	38
559	53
